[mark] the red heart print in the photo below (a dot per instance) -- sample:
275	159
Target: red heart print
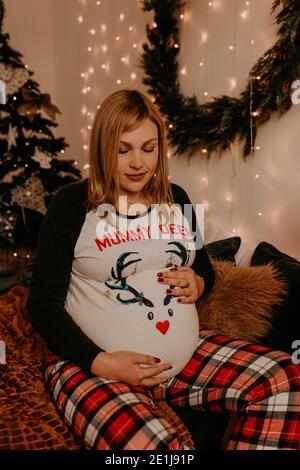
163	326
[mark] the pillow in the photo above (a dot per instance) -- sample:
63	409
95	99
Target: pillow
241	301
224	250
286	319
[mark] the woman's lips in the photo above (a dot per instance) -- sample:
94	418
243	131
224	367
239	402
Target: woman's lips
136	177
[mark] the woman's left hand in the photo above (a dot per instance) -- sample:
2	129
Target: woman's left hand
192	285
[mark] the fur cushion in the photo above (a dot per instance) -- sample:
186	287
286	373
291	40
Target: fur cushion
240	302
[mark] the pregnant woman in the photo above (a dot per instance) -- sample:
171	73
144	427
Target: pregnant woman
119	266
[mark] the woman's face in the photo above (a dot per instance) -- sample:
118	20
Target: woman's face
138	154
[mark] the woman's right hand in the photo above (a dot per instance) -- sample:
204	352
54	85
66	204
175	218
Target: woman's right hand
124	366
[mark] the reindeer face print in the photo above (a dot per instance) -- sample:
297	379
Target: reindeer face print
149	321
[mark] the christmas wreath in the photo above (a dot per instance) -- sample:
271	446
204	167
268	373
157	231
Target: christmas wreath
219	123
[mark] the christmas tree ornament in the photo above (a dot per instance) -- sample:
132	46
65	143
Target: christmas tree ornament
11	137
30	196
13	77
8	222
43	159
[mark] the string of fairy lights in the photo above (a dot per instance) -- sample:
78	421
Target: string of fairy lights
243	11
100	58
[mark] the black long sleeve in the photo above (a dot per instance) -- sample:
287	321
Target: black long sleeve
51	276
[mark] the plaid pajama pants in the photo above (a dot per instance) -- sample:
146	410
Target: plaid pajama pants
260	386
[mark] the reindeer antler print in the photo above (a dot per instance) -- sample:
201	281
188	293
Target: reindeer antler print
120	266
184	254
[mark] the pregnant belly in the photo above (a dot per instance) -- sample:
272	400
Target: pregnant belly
142	318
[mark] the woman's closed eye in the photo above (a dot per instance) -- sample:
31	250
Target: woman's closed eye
147	150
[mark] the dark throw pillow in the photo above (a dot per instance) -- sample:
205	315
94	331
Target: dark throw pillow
286	317
224	250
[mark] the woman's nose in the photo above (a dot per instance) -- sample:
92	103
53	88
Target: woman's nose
136	159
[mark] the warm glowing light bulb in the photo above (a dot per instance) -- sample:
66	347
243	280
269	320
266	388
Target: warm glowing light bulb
82	74
244	14
117	38
233	230
103	27
259	214
133	76
92	31
257	176
201	64
232	82
90	49
182	16
176	46
118	82
134	45
130	28
228	198
122	16
231	47
85	147
183	71
91	70
204	36
80	19
154	25
104	48
205	93
103	66
210	4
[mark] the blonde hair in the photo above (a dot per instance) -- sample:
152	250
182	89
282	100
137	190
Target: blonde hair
121	112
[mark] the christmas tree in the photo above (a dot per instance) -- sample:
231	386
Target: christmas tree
30	171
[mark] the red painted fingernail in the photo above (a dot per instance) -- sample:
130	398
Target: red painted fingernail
179	300
157	360
159	274
160	280
168	291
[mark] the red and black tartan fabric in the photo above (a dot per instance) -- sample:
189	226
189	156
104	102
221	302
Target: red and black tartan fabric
260	386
